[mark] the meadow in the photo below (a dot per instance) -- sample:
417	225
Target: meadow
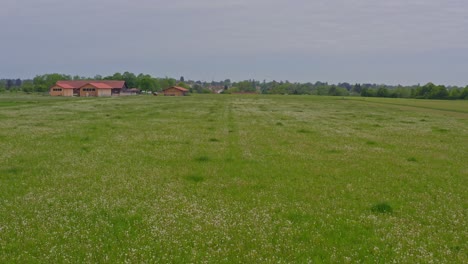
232	179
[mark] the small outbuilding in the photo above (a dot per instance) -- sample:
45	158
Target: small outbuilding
131	91
175	91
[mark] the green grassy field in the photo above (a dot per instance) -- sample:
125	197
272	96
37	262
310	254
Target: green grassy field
231	179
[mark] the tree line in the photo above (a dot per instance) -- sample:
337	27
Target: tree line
148	83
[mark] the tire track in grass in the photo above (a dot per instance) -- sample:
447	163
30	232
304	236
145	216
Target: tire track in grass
233	135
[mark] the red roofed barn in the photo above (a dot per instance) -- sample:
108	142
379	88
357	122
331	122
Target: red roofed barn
175	91
88	88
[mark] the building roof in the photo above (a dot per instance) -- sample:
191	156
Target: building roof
178	88
64	85
100	84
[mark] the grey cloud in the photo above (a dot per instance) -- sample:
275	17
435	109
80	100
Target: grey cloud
144	32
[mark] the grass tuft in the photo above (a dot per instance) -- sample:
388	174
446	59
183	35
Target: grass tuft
85	149
13	170
382	208
298	217
85	139
304	131
440	130
195	178
202	159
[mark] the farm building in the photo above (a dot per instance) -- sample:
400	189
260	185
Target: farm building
175	91
88	88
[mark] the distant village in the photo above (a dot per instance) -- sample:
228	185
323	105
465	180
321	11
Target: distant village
123	84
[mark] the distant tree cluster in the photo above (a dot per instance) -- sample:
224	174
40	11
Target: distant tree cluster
11	84
148	83
428	91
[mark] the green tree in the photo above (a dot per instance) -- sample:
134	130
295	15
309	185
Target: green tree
147	83
130	79
279	89
166	82
438	92
382	92
321	88
333	91
9	84
367	92
27	86
337	91
424	91
454	94
197	88
464	93
3	84
42	83
246	86
116	76
402	92
183	85
356	88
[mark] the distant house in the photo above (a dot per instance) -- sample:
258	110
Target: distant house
175	91
88	88
217	88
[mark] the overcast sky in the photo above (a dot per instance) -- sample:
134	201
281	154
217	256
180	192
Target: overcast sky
378	41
